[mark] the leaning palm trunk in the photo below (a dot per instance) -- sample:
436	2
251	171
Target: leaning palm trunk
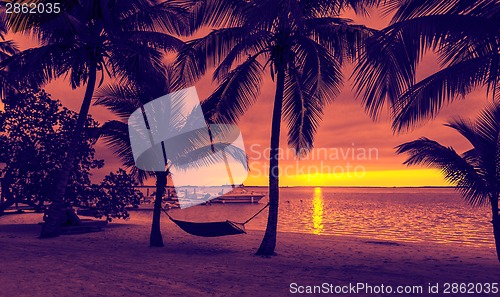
269	242
155	239
56	213
496	232
496	224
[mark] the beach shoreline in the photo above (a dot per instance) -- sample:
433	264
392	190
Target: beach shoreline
119	262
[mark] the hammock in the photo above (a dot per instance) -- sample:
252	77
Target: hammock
213	229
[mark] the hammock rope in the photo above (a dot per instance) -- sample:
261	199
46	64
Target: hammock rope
252	217
213	229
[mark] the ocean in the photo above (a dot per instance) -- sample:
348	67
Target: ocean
431	215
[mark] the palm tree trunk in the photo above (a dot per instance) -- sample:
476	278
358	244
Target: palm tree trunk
155	239
496	223
56	213
268	244
7	198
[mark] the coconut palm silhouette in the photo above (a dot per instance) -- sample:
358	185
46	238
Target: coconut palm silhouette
463	34
476	172
302	45
194	148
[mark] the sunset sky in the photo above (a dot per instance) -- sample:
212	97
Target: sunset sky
345	127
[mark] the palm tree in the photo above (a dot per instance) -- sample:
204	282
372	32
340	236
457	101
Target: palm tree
301	44
7	49
476	172
464	34
116	38
197	149
123	100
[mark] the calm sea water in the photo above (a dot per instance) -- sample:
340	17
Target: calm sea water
393	214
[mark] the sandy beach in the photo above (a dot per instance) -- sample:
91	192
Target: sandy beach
118	262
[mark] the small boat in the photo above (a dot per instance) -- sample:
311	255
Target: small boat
236	195
239	195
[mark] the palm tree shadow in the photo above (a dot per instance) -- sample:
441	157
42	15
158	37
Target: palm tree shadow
118	226
20	228
190	248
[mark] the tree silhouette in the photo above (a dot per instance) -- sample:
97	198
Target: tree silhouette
7	49
197	149
464	34
301	44
33	136
476	172
117	38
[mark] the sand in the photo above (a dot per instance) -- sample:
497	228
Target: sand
118	262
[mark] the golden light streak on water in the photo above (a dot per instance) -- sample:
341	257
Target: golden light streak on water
317	216
425	215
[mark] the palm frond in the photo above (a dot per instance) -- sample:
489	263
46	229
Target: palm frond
122	100
488	123
157	40
258	41
237	92
443	31
200	54
328	8
383	72
45	25
7	49
425	98
37	66
454	167
219	13
115	134
134	60
321	71
197	148
409	9
314	79
483	134
387	70
171	17
342	38
303	110
204	156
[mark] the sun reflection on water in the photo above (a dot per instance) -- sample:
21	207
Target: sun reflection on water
429	215
317	216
